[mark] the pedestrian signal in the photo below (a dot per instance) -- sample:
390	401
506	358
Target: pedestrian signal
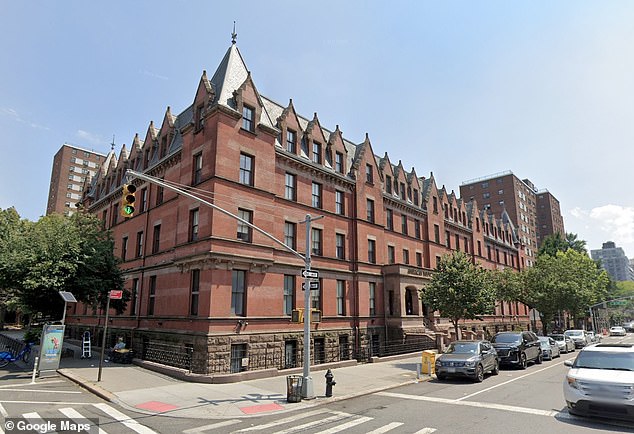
127	200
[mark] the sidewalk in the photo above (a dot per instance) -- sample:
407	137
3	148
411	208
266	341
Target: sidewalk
149	392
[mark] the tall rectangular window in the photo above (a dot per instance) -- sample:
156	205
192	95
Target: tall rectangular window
139	244
466	244
339	162
415	197
315	297
457	242
447	239
391	257
370	210
197	176
417	229
290	234
193	224
316	195
372	301
289	292
316	153
124	248
372	251
290	186
402	192
134	299
437	234
340	246
246	169
156	239
291	141
238	292
388	184
195	291
316	241
248	118
340	207
389	217
403	224
244	230
143	200
369	174
479	248
406	256
152	296
341	297
198	118
419	259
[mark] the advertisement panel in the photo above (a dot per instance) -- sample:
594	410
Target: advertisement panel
51	349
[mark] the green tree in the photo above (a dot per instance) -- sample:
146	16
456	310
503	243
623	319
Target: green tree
59	253
460	290
559	243
13	232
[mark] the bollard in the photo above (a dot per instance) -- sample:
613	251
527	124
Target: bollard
429	367
418	370
34	370
329	383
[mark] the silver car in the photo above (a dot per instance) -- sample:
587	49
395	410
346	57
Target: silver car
550	348
565	343
470	359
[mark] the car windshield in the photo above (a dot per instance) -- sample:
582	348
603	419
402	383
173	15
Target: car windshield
605	360
462	348
507	338
573	333
557	337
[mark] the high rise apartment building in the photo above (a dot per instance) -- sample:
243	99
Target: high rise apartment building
535	213
614	261
72	166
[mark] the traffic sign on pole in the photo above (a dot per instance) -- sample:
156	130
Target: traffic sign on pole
313	285
310	274
116	294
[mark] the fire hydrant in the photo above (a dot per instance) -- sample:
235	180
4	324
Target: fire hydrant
329	383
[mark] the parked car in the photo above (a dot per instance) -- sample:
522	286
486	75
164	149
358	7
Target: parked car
629	326
591	336
578	336
617	331
550	348
470	359
564	342
599	382
517	348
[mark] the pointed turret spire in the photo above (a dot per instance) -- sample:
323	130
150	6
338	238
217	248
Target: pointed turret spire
234	35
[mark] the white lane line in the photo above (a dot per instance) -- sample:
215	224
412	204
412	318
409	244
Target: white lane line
535	411
346	425
426	431
73	414
210	427
507	382
299	428
3	412
126	420
41	402
386	428
40	391
283	421
29	384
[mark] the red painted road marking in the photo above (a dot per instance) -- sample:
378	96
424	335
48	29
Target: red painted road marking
159	407
261	408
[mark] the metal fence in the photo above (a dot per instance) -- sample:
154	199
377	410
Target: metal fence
170	355
8	344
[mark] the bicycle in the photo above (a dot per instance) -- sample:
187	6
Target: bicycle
7	357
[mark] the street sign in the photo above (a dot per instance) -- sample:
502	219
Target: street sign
313	284
617	303
116	294
311	274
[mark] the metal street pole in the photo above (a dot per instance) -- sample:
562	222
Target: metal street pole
103	340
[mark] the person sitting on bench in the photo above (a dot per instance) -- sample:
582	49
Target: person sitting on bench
118	348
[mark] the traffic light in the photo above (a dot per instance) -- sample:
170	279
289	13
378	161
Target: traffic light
127	200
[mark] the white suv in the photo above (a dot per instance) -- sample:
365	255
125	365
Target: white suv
600	382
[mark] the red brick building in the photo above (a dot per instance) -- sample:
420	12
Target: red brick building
205	282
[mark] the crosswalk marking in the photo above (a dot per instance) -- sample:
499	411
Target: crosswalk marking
283	421
73	414
426	431
386	428
338	416
127	421
346	425
201	429
3	412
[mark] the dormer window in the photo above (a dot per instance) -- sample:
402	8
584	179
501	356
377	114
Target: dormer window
199	118
248	118
316	153
369	174
388	184
339	162
291	141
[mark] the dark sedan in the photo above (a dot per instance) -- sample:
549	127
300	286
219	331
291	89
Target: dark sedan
517	348
470	359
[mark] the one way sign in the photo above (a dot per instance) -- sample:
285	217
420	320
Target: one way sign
311	274
313	284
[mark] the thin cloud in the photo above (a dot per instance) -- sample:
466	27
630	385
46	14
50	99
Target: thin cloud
153	75
17	118
91	138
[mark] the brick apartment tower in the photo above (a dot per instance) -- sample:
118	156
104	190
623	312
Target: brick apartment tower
72	166
535	213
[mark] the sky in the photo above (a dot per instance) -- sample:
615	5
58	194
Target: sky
462	89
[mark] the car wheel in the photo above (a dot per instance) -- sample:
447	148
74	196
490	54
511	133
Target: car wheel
479	375
496	368
523	362
441	377
539	359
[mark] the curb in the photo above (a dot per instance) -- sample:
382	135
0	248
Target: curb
91	387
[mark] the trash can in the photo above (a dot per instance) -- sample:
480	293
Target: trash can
429	362
294	388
